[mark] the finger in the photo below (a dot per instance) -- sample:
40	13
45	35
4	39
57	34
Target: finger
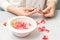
50	14
47	15
30	13
40	11
47	9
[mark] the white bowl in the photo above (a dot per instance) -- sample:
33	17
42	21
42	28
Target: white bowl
21	33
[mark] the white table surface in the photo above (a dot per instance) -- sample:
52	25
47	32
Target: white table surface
53	24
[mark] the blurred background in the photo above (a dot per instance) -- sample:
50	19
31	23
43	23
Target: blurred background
58	5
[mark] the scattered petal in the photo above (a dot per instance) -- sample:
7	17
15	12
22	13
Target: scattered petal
43	27
5	24
43	21
45	37
47	30
38	22
40	29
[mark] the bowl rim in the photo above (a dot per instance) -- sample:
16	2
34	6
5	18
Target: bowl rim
20	31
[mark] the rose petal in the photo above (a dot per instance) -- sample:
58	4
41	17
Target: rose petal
45	37
40	29
47	30
5	23
43	21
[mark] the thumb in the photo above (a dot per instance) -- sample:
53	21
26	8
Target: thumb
40	11
47	9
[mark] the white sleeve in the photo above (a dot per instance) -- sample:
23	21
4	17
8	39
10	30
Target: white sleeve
4	4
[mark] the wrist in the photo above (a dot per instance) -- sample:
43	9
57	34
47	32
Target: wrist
49	2
12	9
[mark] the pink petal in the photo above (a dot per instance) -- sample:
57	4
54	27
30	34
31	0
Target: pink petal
47	30
5	24
43	21
45	37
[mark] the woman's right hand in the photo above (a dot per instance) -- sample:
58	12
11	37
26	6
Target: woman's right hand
26	11
21	11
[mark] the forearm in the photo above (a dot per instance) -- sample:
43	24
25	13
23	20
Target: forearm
5	5
12	9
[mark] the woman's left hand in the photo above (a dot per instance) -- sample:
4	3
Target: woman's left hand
49	11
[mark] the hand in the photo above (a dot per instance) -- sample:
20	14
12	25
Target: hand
49	11
25	11
40	12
